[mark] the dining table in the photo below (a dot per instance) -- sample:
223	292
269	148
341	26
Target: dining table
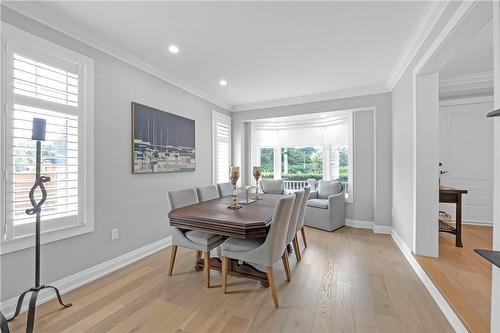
251	221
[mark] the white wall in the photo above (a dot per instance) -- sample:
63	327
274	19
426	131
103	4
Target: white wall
466	151
403	101
426	147
135	204
373	137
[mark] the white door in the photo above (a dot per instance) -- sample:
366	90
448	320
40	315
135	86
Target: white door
466	151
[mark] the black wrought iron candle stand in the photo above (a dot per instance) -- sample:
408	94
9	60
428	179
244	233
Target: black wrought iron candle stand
39	135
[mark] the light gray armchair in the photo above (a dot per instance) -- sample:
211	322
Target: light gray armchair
273	186
202	242
263	252
325	208
225	189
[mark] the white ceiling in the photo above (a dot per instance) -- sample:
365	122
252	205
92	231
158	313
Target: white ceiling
265	50
474	57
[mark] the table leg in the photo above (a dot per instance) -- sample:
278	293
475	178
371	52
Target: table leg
234	268
458	225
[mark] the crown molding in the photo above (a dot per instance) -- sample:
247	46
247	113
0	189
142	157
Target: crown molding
325	96
431	14
474	78
36	13
467	82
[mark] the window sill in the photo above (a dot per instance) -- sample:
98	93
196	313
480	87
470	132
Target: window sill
26	242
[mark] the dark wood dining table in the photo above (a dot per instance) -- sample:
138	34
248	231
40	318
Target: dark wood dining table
250	221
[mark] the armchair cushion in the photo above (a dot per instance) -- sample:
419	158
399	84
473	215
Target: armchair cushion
318	203
202	238
327	188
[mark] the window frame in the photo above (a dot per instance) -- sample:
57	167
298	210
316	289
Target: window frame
85	223
219	116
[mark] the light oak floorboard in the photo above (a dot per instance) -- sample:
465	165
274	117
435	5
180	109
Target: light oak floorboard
350	280
463	277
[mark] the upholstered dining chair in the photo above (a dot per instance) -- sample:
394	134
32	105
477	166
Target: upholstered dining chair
291	235
273	186
207	193
263	252
200	241
225	189
300	223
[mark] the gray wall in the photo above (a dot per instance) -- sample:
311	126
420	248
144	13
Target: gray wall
135	204
373	196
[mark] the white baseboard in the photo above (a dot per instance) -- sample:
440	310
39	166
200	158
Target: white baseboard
88	275
448	312
362	224
382	229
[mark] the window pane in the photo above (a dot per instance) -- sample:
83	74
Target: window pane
301	163
59	161
267	162
340	163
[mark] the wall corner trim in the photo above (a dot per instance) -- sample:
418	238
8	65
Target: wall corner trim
441	302
88	275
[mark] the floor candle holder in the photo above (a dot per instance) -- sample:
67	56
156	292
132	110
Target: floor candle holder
39	135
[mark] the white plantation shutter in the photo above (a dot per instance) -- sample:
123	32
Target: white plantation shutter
40	84
221	129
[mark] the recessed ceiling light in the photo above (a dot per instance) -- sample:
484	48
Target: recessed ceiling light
173	49
223	82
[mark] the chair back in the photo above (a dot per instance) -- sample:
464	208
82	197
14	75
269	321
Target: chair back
275	242
329	187
294	218
207	193
312	183
272	186
182	198
302	211
225	189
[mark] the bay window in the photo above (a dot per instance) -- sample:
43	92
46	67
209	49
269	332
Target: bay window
296	151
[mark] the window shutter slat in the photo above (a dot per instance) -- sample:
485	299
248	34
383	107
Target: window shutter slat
42	90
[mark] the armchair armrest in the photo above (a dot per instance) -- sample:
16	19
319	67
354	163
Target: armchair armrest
336	198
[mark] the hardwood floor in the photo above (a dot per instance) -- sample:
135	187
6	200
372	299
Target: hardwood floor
463	277
350	280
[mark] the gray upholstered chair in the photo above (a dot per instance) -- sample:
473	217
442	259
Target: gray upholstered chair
263	252
300	223
325	208
273	186
291	235
207	193
202	242
225	189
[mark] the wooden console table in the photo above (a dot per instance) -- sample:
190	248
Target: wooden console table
453	195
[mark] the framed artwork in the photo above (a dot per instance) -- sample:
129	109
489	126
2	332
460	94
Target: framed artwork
161	141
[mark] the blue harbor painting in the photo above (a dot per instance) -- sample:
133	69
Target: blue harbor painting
162	142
